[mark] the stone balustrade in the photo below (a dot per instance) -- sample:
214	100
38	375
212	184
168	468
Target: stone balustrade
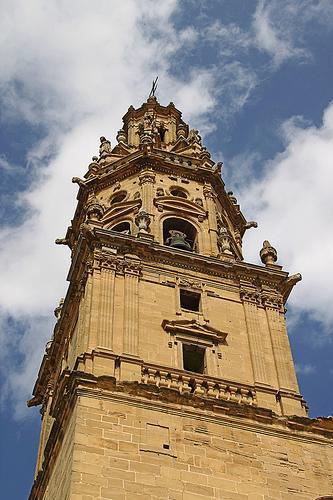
198	384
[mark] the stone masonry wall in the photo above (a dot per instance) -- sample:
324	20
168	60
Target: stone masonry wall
62	475
124	451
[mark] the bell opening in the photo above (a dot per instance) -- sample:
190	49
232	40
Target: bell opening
179	234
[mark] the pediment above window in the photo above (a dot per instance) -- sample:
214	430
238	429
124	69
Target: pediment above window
121	209
180	205
194	329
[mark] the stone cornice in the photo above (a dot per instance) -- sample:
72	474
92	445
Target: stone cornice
152	251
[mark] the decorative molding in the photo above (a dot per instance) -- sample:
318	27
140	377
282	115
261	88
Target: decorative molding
120	210
189	283
183	206
195	329
147	177
262	298
122	265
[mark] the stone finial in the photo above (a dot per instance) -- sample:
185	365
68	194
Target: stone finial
223	240
232	198
95	210
143	220
268	254
105	146
121	135
57	311
93	167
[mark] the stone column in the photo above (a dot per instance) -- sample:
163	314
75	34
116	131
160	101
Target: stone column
212	222
256	343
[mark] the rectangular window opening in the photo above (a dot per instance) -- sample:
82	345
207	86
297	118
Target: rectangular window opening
190	300
194	358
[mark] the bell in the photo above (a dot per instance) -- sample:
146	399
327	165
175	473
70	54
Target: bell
177	239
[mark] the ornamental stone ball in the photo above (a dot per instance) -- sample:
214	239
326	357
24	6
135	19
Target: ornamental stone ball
268	254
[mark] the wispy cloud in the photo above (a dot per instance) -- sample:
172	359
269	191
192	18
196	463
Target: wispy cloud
280	27
273	36
305	369
231	38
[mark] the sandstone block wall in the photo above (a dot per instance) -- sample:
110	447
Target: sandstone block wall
61	464
124	450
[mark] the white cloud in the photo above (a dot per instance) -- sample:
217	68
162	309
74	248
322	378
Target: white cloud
293	204
72	68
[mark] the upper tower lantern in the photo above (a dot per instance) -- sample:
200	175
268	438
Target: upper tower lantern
155	141
166	338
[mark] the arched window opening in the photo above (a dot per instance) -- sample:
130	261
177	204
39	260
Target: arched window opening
179	233
118	198
180	193
122	227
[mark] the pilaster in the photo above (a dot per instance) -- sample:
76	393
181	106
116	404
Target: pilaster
131	270
212	222
250	299
147	181
106	311
288	395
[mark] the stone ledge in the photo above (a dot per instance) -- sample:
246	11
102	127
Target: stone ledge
73	383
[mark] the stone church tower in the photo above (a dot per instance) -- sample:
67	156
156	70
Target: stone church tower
169	374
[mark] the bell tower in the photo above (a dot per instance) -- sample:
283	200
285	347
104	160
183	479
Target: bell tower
169	373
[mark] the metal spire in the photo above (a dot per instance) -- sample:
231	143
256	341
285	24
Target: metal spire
153	88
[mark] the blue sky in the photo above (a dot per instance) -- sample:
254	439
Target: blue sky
254	76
